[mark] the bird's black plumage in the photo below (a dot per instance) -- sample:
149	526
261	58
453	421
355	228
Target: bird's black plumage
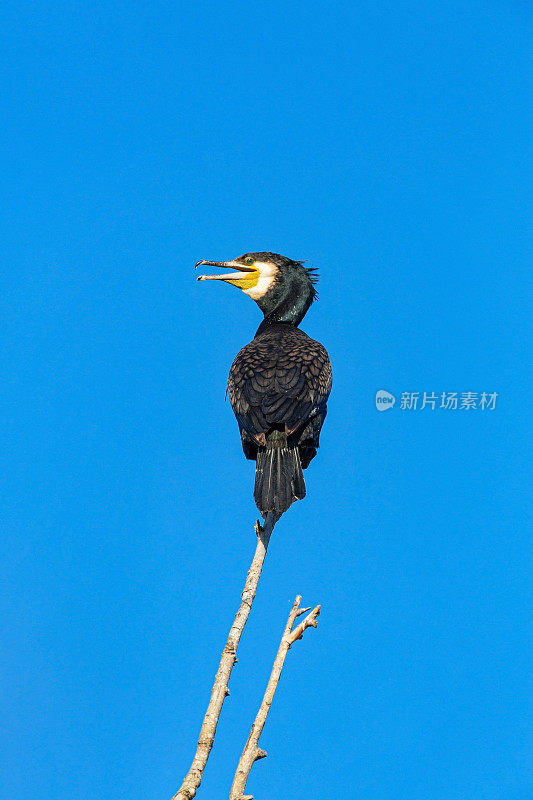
280	382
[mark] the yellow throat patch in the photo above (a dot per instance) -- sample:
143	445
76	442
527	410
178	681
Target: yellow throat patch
248	281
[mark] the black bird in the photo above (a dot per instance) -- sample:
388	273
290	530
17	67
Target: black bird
278	384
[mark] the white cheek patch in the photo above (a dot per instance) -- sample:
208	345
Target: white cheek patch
267	276
262	286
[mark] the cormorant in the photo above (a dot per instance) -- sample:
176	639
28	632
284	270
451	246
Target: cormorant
278	384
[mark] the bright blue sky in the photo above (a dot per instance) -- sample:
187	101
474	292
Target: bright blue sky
387	144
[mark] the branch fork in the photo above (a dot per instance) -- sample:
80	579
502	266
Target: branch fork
252	752
309	622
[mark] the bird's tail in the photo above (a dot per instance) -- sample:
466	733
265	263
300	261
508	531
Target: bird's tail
279	479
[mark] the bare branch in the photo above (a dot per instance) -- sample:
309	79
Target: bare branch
220	690
252	752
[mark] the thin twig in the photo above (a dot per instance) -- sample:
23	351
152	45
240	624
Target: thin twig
252	752
229	657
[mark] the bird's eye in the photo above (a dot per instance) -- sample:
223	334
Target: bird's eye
248	261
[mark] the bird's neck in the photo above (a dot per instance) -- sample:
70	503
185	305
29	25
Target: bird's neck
285	303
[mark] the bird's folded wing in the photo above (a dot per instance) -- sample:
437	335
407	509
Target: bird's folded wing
279	382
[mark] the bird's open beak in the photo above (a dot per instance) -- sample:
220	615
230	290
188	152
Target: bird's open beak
232	276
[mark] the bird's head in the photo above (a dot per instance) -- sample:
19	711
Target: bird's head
282	288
